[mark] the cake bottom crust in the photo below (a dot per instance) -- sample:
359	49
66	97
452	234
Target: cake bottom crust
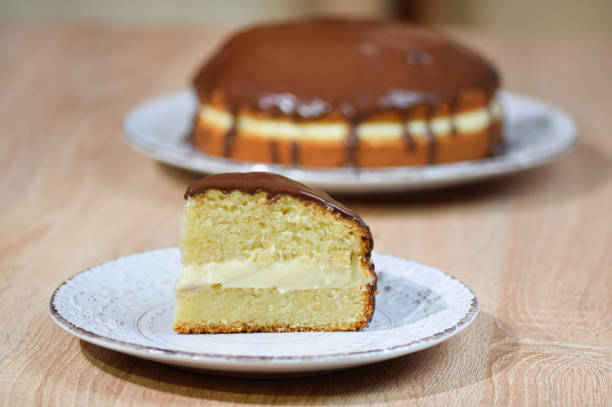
368	153
299	311
202	328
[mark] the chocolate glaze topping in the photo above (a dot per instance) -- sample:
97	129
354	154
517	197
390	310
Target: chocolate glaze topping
307	68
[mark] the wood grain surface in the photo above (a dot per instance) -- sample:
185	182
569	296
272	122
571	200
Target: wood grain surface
536	247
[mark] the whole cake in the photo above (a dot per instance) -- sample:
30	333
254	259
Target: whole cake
264	253
333	93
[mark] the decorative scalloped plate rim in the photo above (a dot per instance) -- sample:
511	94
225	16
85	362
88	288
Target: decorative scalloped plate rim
240	364
536	133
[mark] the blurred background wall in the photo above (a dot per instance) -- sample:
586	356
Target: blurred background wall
529	15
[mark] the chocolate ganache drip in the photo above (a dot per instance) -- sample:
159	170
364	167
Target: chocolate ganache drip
306	69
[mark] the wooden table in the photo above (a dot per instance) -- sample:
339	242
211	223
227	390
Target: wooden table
536	248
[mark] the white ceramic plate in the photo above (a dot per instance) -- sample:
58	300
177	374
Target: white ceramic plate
536	133
127	305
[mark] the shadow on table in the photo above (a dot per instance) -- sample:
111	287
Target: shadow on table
483	350
584	170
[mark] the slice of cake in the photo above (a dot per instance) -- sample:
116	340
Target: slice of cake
264	253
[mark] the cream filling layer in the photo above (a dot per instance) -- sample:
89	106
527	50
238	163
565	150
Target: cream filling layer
281	129
288	275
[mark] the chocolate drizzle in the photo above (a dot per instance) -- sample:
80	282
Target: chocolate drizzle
408	139
274	151
352	141
356	68
453	109
432	143
228	140
295	153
